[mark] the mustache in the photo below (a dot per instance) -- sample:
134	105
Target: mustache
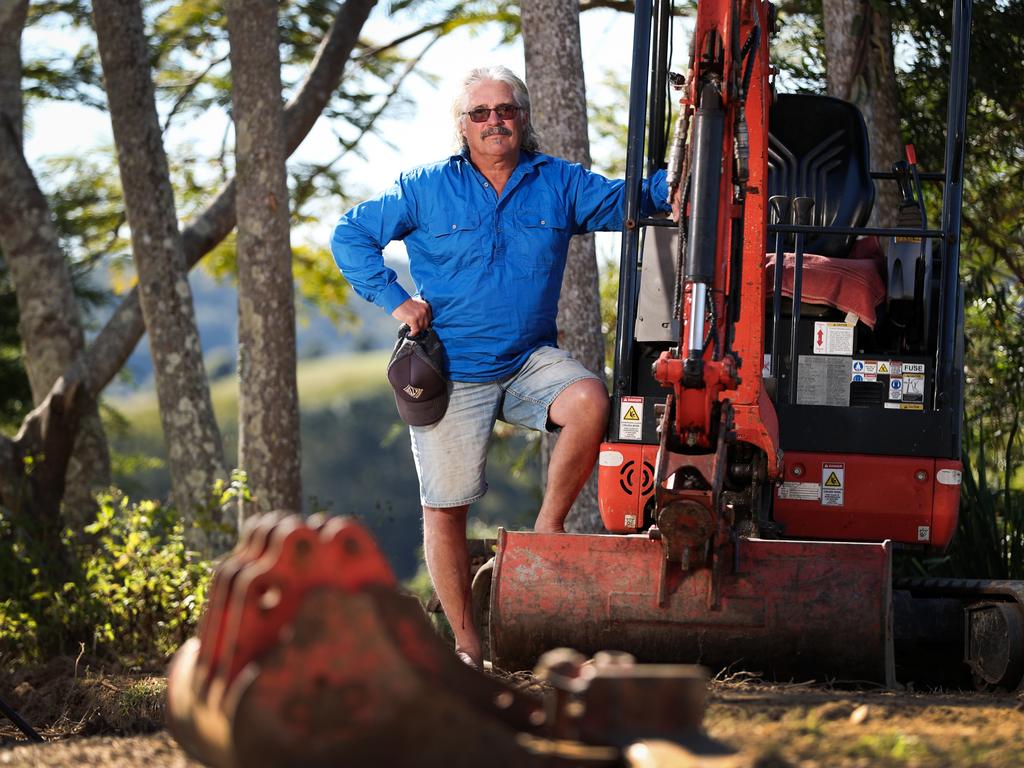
495	130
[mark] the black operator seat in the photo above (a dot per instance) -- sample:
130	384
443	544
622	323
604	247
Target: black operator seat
818	148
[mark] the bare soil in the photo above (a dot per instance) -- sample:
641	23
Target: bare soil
116	720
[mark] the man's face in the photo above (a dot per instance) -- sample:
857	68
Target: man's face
494	138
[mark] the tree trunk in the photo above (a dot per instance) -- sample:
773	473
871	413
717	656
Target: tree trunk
194	445
268	441
49	321
115	342
554	72
12	21
859	64
32	496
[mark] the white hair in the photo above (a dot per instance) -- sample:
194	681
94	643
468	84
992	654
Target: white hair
520	96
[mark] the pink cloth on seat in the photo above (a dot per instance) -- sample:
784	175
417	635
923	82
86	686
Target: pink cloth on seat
852	285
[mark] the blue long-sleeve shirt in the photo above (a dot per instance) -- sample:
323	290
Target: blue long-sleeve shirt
490	267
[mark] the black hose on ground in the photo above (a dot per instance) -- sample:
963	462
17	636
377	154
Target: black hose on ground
15	718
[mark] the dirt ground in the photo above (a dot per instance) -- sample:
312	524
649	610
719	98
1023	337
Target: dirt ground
92	719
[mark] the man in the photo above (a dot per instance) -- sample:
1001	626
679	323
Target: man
487	232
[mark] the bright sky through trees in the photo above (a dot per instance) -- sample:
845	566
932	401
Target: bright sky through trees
419	137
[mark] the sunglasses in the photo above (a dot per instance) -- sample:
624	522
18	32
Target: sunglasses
504	111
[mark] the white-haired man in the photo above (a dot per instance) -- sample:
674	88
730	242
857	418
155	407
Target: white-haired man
487	231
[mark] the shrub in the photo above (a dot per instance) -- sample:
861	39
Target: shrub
134	594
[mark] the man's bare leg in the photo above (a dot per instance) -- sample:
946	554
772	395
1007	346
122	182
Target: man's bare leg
444	544
581	410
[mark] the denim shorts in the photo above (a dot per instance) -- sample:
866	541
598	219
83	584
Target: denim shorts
451	456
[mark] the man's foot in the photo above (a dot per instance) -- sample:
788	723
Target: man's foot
468	660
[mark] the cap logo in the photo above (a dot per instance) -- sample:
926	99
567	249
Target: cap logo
412	391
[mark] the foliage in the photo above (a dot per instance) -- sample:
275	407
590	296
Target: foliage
990	539
134	596
990	534
799	48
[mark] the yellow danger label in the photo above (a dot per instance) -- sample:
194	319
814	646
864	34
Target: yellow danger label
883	367
631	414
833	481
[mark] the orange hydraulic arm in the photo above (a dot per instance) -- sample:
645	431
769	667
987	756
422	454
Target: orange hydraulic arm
720	173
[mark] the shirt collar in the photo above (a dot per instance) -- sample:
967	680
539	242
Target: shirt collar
528	159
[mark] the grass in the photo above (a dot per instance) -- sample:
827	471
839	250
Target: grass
321	381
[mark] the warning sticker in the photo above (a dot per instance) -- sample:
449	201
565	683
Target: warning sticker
895	389
913	386
833	483
631	418
833	338
905	406
864	370
801	491
913	368
883	367
924	532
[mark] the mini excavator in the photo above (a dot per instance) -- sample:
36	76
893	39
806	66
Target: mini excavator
786	413
787	397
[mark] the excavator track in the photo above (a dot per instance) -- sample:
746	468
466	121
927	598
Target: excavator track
960	631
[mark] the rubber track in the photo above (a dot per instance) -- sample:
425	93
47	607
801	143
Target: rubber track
982	588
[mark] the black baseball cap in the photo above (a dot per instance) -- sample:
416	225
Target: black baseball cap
416	373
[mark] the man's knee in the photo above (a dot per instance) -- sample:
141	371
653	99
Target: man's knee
585	400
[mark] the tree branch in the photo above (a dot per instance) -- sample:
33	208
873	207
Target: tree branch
115	342
624	6
189	87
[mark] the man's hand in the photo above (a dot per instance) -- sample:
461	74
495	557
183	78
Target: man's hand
675	204
415	313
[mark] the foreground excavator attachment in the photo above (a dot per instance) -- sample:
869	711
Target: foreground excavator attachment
309	655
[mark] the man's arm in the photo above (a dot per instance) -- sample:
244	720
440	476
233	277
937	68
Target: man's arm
599	201
358	247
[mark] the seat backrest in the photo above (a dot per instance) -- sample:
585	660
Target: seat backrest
818	148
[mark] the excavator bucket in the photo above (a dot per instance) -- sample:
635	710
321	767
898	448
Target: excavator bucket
309	655
784	609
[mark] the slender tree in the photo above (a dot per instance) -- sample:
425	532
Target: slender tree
860	69
49	321
554	72
12	21
196	455
268	442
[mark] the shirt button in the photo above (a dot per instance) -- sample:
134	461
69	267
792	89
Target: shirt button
542	221
455	226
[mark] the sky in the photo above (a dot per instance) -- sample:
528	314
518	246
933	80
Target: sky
61	128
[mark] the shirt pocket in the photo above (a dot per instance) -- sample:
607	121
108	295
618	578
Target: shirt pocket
545	237
454	237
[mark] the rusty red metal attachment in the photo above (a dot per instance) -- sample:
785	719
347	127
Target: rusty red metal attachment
786	609
309	655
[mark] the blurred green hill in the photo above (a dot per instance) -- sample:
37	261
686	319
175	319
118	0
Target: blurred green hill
356	458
